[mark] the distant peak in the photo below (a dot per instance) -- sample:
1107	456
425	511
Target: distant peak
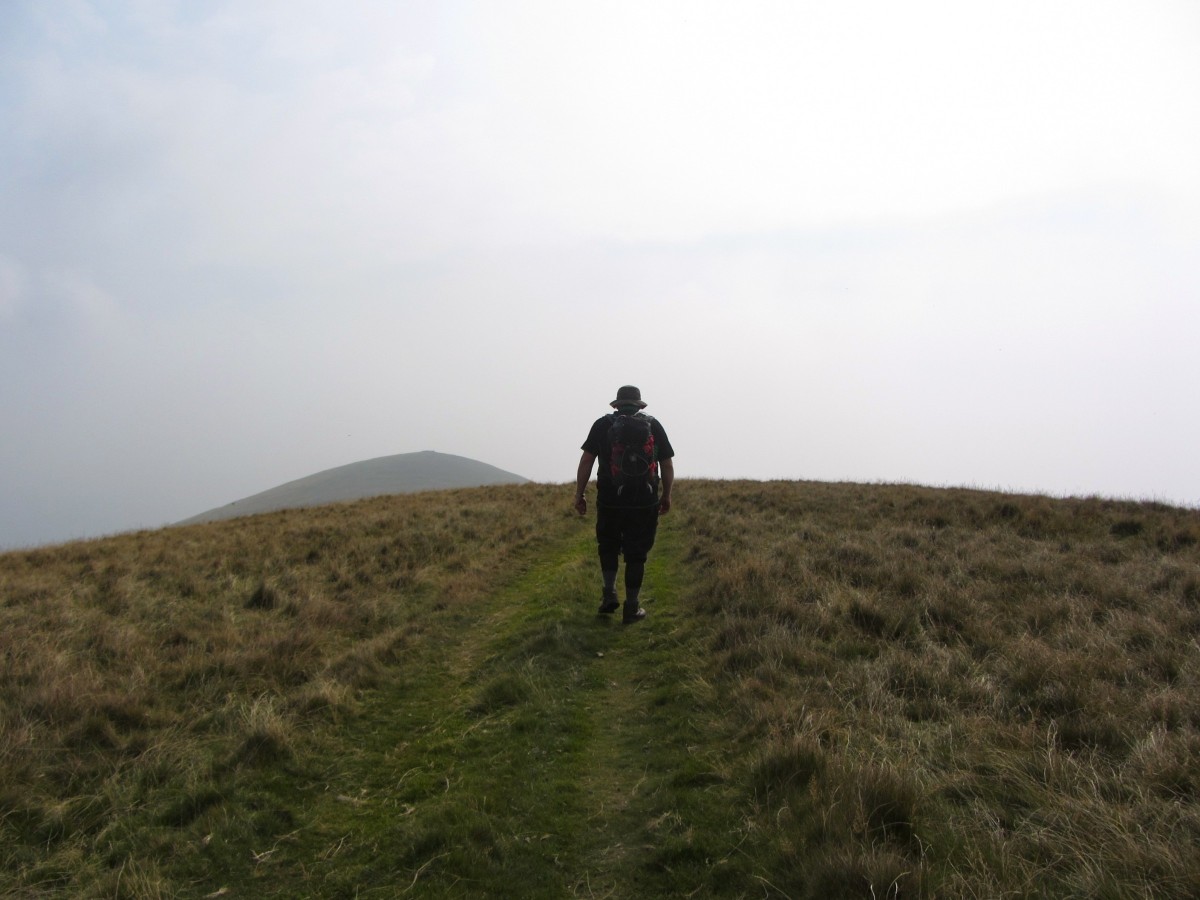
402	473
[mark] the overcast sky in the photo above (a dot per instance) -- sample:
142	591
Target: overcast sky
938	242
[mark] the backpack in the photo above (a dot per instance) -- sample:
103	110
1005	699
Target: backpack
633	457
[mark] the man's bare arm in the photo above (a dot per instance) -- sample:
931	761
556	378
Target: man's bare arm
666	468
582	476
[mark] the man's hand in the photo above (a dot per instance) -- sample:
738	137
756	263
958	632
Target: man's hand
664	505
581	505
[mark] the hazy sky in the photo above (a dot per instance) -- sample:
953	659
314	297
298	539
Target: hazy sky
941	242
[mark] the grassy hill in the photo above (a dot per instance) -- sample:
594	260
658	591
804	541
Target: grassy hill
840	691
401	473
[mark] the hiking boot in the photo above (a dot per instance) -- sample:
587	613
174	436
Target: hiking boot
636	615
608	603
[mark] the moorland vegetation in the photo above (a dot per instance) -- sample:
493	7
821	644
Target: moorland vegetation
840	691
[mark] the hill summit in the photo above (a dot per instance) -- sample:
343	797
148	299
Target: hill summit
403	473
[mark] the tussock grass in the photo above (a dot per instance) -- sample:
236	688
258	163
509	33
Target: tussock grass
956	693
841	691
146	678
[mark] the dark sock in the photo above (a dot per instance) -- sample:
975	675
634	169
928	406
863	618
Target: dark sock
633	582
610	582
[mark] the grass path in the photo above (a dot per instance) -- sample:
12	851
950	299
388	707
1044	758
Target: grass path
538	750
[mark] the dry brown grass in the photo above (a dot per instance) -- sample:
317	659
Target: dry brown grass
916	692
979	693
137	672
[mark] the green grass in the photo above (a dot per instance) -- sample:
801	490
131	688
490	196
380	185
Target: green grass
840	691
533	752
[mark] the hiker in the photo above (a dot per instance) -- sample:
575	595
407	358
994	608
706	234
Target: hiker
635	461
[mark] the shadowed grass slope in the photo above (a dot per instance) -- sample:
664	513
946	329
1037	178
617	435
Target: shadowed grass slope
841	691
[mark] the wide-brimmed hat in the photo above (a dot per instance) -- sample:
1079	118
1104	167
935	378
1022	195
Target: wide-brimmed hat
628	396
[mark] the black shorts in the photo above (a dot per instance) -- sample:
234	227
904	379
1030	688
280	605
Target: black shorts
629	532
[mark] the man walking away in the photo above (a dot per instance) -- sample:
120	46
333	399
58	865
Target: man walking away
633	487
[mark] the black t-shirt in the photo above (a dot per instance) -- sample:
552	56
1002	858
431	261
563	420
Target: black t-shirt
597	445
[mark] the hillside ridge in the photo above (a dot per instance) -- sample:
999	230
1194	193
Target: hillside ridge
840	691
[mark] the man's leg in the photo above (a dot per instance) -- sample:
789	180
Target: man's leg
634	573
608	542
641	526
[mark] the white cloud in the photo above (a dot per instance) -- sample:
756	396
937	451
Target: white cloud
13	290
71	23
685	119
926	241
